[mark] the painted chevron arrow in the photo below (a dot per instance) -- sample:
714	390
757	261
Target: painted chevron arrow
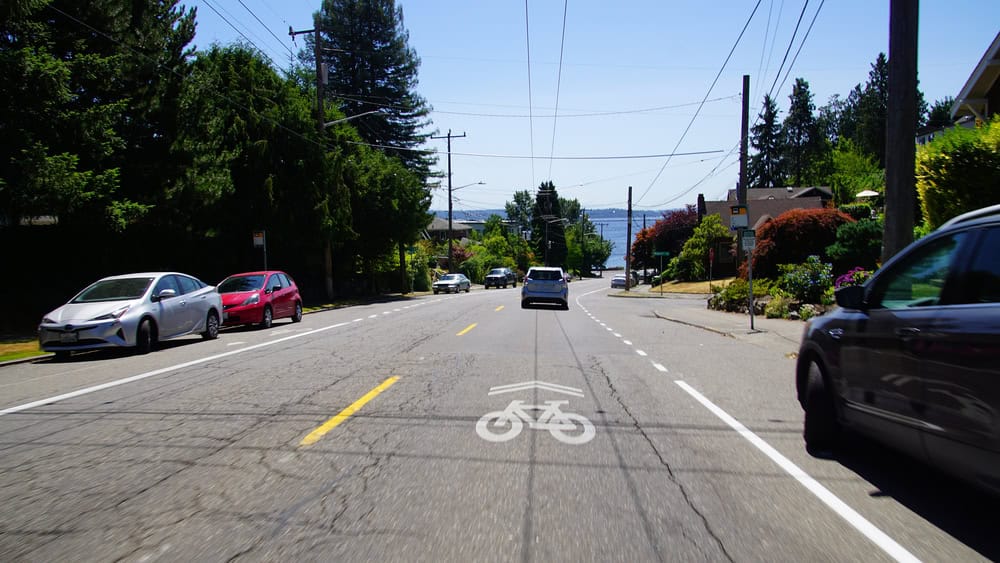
526	385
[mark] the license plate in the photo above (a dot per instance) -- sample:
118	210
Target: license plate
68	337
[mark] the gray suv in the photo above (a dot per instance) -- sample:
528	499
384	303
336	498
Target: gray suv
912	357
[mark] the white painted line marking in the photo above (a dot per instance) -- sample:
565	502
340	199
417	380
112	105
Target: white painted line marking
628	342
160	371
373	316
609	329
640	352
237	343
386	312
357	320
878	537
660	367
618	335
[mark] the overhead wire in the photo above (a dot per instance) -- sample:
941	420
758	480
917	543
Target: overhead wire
264	25
555	113
791	42
531	124
695	116
237	30
803	42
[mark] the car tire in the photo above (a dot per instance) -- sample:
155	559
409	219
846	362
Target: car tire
211	326
145	337
62	355
514	283
267	318
524	304
435	292
565	306
820	428
468	289
297	315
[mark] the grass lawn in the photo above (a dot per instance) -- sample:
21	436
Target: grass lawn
17	348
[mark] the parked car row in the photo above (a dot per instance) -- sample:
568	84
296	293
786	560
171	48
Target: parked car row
139	310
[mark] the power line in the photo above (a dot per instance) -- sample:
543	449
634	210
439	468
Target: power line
695	116
562	44
799	50
531	124
267	28
789	49
237	30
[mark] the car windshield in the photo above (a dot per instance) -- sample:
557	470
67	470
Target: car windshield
496	272
450	277
241	283
114	290
548	275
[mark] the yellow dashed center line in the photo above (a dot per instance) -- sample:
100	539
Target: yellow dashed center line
499	308
467	329
329	425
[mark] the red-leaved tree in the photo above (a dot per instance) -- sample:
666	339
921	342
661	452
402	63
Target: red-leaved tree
792	237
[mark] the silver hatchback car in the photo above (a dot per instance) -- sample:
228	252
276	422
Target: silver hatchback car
132	310
545	285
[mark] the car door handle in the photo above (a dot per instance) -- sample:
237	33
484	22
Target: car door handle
907	332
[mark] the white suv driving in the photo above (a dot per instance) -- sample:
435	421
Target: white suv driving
545	285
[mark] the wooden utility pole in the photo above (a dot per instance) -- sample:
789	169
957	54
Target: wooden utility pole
628	243
900	153
741	189
449	136
321	127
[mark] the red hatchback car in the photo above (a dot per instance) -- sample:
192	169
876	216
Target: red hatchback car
259	298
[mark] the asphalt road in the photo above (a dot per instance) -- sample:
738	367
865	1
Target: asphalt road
455	428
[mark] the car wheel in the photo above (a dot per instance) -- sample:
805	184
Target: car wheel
435	292
62	355
267	319
297	316
565	306
514	284
145	337
524	304
468	289
211	326
820	428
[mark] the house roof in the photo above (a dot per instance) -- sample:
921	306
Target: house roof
981	87
757	194
760	211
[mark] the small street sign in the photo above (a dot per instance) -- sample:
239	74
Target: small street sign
748	240
258	239
661	253
738	217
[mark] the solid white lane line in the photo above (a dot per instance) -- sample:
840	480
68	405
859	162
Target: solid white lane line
860	523
160	371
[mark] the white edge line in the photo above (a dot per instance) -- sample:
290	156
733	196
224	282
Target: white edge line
160	371
640	352
660	367
878	537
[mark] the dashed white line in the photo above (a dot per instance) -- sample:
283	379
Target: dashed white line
627	342
640	352
660	367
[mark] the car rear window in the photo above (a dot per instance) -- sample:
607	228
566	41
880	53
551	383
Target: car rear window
546	275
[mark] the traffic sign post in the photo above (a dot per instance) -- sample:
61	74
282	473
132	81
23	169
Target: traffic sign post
260	241
661	254
748	241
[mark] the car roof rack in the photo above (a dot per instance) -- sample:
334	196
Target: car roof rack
984	212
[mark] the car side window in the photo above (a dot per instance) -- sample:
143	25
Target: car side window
187	284
166	282
919	279
286	281
274	282
981	282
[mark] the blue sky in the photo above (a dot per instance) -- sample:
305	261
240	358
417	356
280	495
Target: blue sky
631	82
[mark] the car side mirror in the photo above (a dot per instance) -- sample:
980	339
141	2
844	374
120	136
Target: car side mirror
164	294
850	297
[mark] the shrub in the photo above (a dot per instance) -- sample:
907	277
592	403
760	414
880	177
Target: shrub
857	211
855	276
777	307
807	311
793	236
734	296
857	243
958	171
806	282
690	265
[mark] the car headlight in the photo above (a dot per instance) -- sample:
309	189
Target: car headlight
116	314
252	300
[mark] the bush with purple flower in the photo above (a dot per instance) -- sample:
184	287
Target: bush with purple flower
856	276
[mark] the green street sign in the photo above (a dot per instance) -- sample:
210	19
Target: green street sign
661	253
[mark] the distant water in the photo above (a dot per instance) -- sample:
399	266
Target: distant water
610	223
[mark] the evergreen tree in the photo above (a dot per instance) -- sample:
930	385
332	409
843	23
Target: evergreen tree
372	69
765	139
802	146
872	110
548	234
519	210
940	113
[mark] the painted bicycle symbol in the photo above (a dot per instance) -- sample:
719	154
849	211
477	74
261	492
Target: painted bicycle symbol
567	427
